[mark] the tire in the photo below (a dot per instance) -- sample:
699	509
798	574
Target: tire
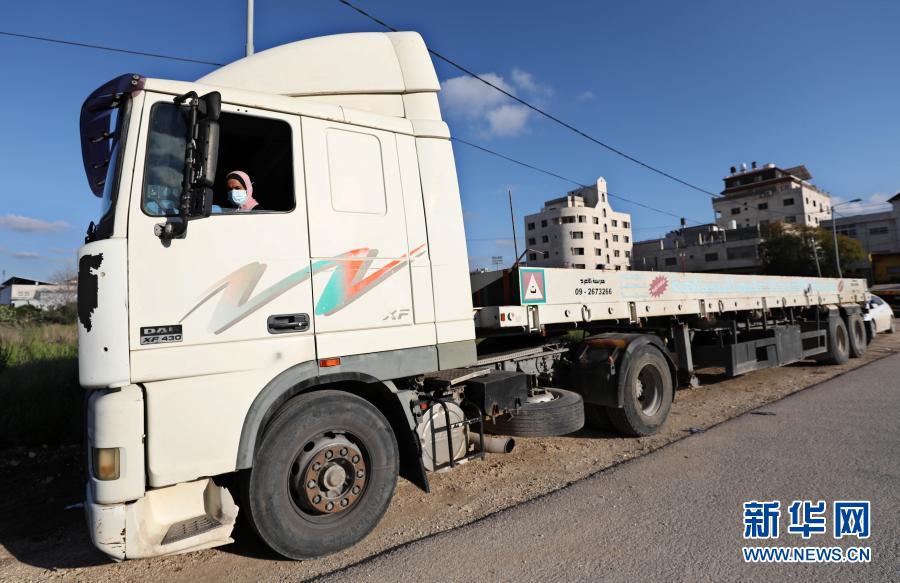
648	394
838	342
560	416
284	508
597	417
890	329
856	328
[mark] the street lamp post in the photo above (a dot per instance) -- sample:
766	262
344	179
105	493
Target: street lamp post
837	255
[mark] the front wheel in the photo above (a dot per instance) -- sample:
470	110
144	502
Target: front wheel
648	394
323	475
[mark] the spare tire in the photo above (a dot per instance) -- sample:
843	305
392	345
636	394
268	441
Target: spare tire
561	414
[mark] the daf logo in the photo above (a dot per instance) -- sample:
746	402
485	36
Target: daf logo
398	314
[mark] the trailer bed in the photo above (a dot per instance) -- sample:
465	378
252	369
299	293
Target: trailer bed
541	296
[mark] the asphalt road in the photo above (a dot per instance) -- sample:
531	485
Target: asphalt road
676	514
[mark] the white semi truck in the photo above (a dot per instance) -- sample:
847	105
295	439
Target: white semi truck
293	360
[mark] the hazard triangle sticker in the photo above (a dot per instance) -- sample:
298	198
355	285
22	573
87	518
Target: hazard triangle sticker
533	286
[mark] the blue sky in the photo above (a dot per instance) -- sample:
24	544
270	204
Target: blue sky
691	87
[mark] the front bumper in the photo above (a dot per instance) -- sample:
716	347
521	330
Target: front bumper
166	521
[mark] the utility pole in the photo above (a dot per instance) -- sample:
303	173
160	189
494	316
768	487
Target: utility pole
837	254
512	219
815	248
249	27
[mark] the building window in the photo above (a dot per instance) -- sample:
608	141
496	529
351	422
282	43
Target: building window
606	243
546	254
530	226
736	211
604	213
627	253
532	256
568	219
745	252
600	266
598	251
615	223
671	261
616	253
878	231
627	238
712	256
577	250
544	223
578	266
789	202
605	228
596	236
762	206
615	238
532	241
607	258
582	219
545	239
626	224
596	220
577	235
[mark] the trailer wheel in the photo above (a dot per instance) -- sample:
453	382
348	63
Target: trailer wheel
553	412
857	335
838	342
323	475
648	394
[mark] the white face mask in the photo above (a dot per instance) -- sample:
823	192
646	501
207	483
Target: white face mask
237	197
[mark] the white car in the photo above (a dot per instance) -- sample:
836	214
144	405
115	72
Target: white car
881	315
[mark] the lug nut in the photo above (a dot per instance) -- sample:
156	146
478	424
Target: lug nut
317	499
343	451
329	506
355	459
329	454
311	484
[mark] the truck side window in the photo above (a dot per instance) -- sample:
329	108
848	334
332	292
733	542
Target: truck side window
355	168
259	146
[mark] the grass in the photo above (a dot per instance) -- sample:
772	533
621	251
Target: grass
40	398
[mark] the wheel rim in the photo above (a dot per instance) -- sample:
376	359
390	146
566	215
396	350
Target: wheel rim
649	390
329	475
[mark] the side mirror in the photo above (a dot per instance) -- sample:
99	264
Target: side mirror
201	158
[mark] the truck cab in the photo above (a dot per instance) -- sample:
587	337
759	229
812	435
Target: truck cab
198	320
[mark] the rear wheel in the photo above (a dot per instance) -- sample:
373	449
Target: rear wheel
323	475
857	335
648	394
838	341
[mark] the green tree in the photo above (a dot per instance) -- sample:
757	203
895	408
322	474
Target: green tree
788	250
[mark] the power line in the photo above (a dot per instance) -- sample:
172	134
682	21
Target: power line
560	177
540	111
104	48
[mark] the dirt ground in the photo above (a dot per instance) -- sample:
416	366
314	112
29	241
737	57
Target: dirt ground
43	536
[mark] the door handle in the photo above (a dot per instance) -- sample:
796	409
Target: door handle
284	323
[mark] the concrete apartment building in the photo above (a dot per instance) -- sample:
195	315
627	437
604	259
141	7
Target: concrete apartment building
580	231
876	232
704	248
751	198
764	195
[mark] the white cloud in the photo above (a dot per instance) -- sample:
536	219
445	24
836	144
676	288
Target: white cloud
492	113
27	255
585	96
29	225
507	121
503	242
